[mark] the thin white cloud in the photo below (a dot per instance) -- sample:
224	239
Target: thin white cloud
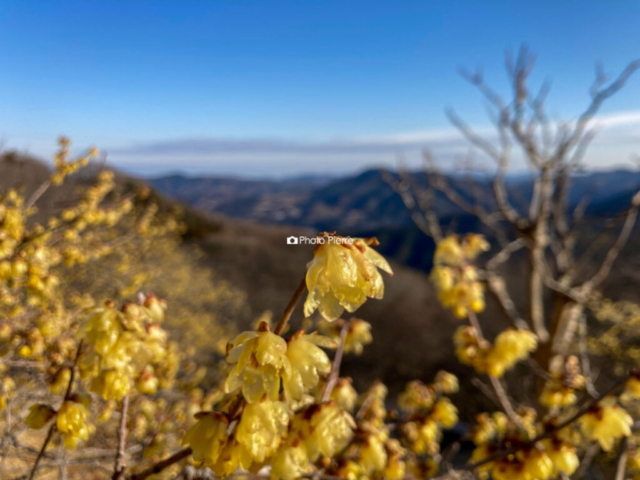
618	138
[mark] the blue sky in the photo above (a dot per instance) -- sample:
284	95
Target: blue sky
285	87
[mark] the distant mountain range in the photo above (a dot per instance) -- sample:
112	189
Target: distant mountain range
366	204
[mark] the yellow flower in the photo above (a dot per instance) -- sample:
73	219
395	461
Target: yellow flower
39	416
606	423
261	360
308	362
455	279
111	384
510	347
415	396
373	456
358	335
445	413
562	455
60	381
423	436
449	251
396	468
289	462
474	244
632	387
147	383
232	457
207	437
447	382
344	394
325	429
102	330
479	454
342	275
509	470
537	464
554	395
349	469
72	421
261	428
373	410
484	431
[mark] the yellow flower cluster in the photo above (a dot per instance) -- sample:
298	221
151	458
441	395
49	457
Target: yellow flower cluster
73	420
343	274
565	378
544	460
632	387
344	394
358	333
47	286
261	429
606	423
123	347
428	413
455	277
63	166
266	432
306	432
510	347
372	453
262	359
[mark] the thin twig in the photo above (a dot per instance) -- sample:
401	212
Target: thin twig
52	430
473	320
584	358
119	467
286	315
37	194
335	368
503	398
160	466
622	460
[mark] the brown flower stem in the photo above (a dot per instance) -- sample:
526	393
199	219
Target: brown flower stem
54	427
47	439
286	315
475	323
160	466
332	379
503	398
72	377
119	467
35	196
622	460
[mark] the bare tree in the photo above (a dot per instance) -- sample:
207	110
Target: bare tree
547	228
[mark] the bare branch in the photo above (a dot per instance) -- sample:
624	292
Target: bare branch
584	358
501	394
160	466
119	466
622	460
332	379
614	251
288	311
599	95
